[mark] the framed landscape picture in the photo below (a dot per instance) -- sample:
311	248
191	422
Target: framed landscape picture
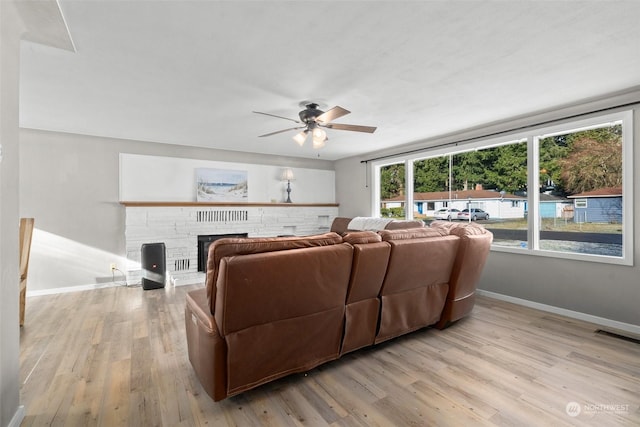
221	185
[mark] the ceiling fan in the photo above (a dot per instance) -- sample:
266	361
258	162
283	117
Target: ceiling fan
313	120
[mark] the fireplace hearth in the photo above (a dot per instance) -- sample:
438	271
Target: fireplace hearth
203	246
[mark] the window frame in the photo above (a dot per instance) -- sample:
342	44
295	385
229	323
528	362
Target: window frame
532	135
580	203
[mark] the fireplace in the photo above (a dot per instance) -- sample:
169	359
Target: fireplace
203	246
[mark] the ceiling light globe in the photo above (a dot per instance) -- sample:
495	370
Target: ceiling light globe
319	143
319	134
300	138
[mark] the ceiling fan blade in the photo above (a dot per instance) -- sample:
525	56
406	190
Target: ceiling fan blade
354	128
273	115
332	114
281	131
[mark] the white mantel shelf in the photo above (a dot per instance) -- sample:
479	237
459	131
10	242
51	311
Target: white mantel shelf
234	204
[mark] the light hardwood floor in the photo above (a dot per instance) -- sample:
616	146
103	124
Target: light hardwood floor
118	357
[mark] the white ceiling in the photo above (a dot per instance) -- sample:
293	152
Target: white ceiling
192	72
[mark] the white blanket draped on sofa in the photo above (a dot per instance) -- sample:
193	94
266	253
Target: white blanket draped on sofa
367	223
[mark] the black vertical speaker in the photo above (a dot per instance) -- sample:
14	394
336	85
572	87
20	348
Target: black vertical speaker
153	266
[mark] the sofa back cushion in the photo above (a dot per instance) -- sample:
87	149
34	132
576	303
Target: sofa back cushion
260	288
411	233
404	224
239	246
361	237
420	261
370	258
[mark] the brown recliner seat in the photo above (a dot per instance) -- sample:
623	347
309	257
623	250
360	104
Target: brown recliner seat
370	258
473	251
277	310
416	284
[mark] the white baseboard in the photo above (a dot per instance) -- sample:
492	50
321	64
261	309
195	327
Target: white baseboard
613	324
17	417
193	279
53	291
94	286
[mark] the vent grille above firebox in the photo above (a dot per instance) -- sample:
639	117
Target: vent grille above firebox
181	264
226	215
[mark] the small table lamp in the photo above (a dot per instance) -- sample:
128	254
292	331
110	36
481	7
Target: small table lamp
287	175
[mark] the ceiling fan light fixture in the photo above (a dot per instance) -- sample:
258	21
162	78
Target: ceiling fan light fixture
301	137
317	144
312	118
319	135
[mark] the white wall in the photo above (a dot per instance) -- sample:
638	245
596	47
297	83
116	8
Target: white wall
70	184
169	179
596	289
353	188
11	30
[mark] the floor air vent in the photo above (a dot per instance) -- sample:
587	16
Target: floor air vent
618	336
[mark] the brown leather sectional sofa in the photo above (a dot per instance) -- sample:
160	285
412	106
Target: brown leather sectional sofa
275	306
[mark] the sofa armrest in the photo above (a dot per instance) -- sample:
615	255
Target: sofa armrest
340	225
475	245
207	349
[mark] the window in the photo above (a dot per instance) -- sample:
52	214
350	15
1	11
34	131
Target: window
391	191
562	191
582	167
430	180
580	203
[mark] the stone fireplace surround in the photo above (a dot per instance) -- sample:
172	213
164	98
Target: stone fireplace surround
178	225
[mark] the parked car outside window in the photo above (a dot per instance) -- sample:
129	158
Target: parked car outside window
476	214
447	214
